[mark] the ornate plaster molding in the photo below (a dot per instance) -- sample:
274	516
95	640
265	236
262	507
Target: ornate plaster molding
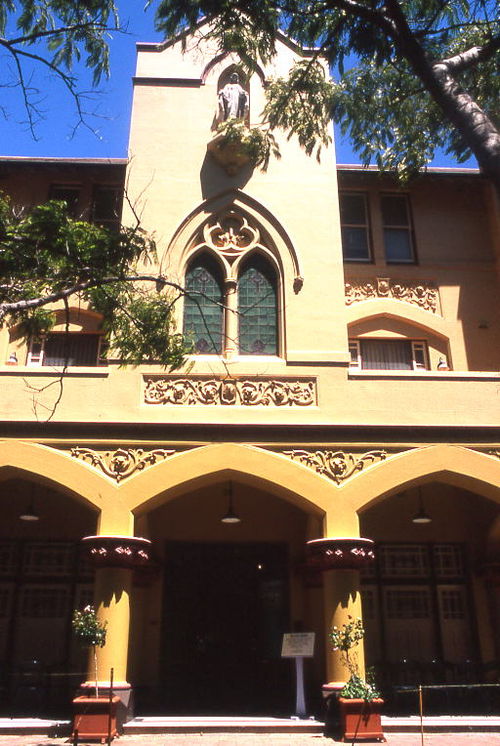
117	551
123	462
339	554
336	465
230	235
423	293
247	392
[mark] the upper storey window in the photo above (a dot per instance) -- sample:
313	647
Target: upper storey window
69	193
203	306
106	206
355	227
257	307
398	238
388	354
66	349
231	306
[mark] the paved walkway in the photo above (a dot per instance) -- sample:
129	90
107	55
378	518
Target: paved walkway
266	739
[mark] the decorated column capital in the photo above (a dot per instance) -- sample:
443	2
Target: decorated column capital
342	553
127	552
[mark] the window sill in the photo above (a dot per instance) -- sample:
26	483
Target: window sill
74	371
467	375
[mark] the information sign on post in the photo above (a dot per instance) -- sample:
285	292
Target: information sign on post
298	645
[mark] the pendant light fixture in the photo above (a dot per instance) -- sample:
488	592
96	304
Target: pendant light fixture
30	513
231	516
421	516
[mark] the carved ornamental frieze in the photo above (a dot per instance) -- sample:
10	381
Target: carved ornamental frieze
336	465
422	293
123	462
339	554
246	392
117	551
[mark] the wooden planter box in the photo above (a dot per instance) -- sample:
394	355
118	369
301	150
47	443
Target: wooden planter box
91	717
361	720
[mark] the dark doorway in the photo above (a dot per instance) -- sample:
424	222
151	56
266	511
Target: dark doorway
225	611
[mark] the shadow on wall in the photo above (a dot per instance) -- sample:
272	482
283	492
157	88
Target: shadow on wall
214	180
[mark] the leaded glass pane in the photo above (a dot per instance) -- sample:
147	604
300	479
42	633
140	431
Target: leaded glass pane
257	306
203	307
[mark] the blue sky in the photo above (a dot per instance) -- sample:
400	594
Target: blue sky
110	105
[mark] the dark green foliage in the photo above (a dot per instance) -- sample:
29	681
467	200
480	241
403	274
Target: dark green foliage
88	628
258	144
48	257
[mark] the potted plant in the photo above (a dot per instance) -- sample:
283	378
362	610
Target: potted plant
360	704
94	717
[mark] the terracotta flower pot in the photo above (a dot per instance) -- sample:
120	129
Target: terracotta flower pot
91	717
361	720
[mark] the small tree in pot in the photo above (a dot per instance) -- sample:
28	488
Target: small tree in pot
93	717
359	700
91	632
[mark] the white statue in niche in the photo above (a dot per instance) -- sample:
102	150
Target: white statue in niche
233	99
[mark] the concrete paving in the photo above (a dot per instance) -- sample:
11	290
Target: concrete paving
265	739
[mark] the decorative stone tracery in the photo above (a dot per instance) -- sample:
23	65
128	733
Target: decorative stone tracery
339	554
126	552
230	235
258	391
336	465
423	293
123	462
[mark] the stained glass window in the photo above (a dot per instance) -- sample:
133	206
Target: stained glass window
257	306
203	306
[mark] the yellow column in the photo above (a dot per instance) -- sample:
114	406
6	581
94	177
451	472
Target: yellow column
341	600
115	558
112	602
339	560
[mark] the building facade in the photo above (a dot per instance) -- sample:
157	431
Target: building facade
345	378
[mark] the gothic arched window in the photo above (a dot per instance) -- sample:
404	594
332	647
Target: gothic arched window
203	310
257	308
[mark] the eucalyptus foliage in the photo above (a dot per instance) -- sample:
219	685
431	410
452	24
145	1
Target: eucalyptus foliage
48	258
410	75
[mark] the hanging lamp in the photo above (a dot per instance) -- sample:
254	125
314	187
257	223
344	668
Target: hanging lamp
230	516
421	516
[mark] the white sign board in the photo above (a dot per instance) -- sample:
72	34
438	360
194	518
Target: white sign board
298	645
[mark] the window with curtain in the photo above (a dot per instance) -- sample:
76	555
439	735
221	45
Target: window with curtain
388	354
203	310
257	308
61	349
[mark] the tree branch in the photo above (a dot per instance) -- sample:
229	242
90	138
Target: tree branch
469	57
